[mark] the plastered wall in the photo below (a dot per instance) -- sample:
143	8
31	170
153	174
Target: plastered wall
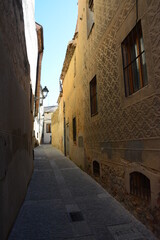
124	136
16	160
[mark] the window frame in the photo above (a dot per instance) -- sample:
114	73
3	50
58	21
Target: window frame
90	16
134	79
48	129
91	5
93	96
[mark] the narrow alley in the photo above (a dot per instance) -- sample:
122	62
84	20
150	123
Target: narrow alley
79	120
63	202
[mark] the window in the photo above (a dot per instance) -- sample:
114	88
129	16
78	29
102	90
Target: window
48	128
90	17
134	63
96	168
74	129
140	185
93	96
91	5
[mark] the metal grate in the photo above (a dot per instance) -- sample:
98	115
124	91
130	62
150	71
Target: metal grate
76	216
140	185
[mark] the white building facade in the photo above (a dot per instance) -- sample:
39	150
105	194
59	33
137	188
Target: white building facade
38	122
47	134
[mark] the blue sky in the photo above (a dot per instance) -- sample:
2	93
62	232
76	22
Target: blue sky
58	18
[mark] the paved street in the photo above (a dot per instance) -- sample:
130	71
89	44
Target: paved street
63	202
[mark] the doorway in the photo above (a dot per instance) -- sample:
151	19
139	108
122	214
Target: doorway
67	139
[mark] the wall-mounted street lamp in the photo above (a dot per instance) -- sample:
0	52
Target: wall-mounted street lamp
45	92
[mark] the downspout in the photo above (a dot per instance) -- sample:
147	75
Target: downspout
136	11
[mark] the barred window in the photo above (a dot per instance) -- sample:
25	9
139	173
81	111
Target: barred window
134	61
74	129
93	96
140	185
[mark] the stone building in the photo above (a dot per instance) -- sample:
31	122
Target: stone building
38	120
38	95
47	133
38	90
19	49
111	95
57	126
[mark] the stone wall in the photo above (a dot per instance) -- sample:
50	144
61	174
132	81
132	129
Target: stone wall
57	127
16	119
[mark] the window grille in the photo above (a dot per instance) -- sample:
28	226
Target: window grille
134	61
140	186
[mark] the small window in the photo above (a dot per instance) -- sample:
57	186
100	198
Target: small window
74	129
140	186
134	61
48	128
96	169
91	5
90	17
93	96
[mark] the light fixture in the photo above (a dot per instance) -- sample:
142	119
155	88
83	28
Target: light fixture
45	92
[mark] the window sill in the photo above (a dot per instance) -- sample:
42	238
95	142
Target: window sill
137	96
92	115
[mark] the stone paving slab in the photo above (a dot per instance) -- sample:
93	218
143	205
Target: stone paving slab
63	202
42	220
43	186
41	164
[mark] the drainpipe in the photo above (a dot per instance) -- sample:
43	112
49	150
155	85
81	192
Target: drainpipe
136	11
